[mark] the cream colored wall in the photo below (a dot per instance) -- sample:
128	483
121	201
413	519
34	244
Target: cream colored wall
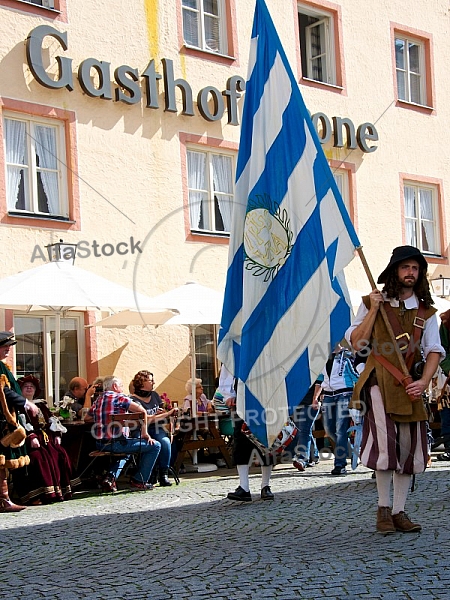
129	157
409	142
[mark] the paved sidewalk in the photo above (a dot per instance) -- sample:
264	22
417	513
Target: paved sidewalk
315	540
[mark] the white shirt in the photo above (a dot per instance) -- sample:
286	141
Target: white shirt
430	342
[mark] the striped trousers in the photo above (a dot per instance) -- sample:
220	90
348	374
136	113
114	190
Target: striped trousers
391	446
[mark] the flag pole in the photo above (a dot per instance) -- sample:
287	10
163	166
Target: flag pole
390	331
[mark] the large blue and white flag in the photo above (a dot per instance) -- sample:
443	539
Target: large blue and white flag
285	302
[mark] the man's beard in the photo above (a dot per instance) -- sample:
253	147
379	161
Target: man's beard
408	282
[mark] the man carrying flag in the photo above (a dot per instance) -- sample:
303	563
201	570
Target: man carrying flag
394	441
285	304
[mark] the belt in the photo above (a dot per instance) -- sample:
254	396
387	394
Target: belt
336	392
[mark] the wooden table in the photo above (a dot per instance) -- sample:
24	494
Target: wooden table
78	442
188	426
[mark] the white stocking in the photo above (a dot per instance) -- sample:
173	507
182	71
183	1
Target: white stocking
266	473
384	479
243	477
401	488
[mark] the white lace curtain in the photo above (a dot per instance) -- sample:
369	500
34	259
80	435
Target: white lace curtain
196	163
190	22
426	237
427	220
208	11
411	217
17	161
15	156
46	152
223	183
200	190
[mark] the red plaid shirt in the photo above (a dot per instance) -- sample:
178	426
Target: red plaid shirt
108	403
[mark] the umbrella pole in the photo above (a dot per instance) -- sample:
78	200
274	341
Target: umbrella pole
57	357
193	386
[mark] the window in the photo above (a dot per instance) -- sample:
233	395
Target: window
410	69
210	191
54	9
344	175
421	226
319	33
413	70
35	350
341	178
204	25
205	357
35	166
44	3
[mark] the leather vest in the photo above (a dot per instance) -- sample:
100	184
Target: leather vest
396	401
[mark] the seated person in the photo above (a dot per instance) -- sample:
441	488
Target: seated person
145	395
113	401
49	476
74	398
203	404
93	392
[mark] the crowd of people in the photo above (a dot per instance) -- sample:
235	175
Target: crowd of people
379	376
41	470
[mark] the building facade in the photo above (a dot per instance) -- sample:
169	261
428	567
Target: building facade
120	131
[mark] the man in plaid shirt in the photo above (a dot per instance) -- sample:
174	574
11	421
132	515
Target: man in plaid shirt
112	438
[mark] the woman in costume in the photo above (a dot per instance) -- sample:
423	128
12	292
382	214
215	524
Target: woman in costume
49	476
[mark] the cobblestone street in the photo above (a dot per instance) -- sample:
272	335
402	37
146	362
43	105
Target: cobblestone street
315	540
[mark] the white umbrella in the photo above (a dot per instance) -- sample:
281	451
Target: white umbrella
59	286
195	304
153	316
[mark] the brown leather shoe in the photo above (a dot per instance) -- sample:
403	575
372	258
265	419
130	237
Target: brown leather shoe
7	506
403	523
385	524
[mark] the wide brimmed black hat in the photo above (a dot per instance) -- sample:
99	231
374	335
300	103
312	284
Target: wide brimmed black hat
400	254
7	338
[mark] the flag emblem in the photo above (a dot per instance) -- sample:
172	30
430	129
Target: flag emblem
267	237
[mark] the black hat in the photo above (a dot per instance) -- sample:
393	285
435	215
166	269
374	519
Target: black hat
7	338
400	254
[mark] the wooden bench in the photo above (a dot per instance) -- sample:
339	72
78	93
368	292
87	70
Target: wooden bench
188	426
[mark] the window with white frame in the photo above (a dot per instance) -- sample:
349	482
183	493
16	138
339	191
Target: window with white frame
210	191
341	178
204	25
35	166
316	30
421	217
410	70
35	350
205	357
